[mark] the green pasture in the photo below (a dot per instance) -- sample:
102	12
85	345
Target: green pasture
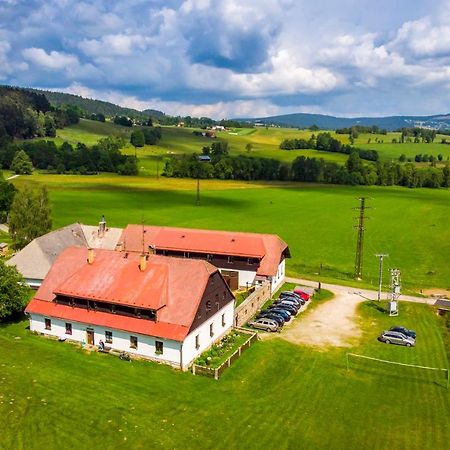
317	221
265	143
55	395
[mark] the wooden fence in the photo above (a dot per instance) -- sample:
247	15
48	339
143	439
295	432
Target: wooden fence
217	371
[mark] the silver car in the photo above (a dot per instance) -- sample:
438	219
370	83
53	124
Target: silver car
265	324
395	337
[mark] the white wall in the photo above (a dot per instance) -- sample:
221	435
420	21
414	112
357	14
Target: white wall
278	279
120	341
190	352
146	344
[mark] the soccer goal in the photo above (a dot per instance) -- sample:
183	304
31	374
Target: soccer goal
436	374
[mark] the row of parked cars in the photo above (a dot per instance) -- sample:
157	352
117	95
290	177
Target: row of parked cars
281	311
398	335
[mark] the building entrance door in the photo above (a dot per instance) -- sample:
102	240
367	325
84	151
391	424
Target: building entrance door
90	336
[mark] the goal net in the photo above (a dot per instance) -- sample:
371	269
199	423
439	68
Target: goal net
437	375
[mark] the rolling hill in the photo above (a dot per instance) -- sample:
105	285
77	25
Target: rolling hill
304	120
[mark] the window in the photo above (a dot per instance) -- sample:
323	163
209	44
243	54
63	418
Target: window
68	328
208	305
159	347
48	324
230	259
209	257
211	329
108	337
223	320
133	342
197	342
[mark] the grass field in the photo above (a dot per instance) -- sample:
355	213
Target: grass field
278	395
316	221
265	143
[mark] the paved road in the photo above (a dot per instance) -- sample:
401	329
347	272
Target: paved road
12	177
365	293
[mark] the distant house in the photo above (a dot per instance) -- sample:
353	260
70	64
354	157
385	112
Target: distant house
166	309
34	260
244	259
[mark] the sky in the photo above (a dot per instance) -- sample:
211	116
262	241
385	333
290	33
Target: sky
235	58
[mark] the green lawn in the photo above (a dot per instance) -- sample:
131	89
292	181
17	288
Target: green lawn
277	395
316	221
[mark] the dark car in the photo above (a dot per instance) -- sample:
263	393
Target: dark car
291	295
289	301
274	316
292	310
285	314
405	331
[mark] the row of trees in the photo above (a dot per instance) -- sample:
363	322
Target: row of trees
316	170
325	142
357	129
145	136
105	156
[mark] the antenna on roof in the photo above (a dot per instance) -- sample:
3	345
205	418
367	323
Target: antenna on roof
143	236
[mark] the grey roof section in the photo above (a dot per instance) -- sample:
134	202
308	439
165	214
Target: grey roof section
107	242
34	260
442	303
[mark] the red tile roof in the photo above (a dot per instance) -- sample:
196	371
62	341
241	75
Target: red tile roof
173	285
268	248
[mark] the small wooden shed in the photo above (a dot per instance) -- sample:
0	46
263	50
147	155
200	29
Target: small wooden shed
3	248
442	305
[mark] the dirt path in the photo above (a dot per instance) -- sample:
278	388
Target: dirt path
331	324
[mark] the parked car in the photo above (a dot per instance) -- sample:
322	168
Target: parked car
291	295
286	314
271	315
264	323
303	294
394	337
292	310
405	331
288	301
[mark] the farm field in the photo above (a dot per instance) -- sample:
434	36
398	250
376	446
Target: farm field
265	143
315	403
315	220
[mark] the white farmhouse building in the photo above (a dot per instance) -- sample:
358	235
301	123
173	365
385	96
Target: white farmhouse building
244	259
162	308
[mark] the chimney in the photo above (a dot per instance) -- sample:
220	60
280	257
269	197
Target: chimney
91	256
119	247
102	227
142	263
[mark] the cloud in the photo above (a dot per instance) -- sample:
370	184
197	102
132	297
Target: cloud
52	61
231	58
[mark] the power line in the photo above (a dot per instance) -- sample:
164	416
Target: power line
360	242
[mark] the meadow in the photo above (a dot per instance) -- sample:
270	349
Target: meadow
265	143
315	220
55	395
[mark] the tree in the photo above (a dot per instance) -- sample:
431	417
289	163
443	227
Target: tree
249	147
30	216
21	164
14	293
137	138
7	191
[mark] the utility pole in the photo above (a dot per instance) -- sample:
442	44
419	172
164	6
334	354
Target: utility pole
395	292
380	272
197	202
359	245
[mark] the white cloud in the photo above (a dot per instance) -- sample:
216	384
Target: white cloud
52	61
114	45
